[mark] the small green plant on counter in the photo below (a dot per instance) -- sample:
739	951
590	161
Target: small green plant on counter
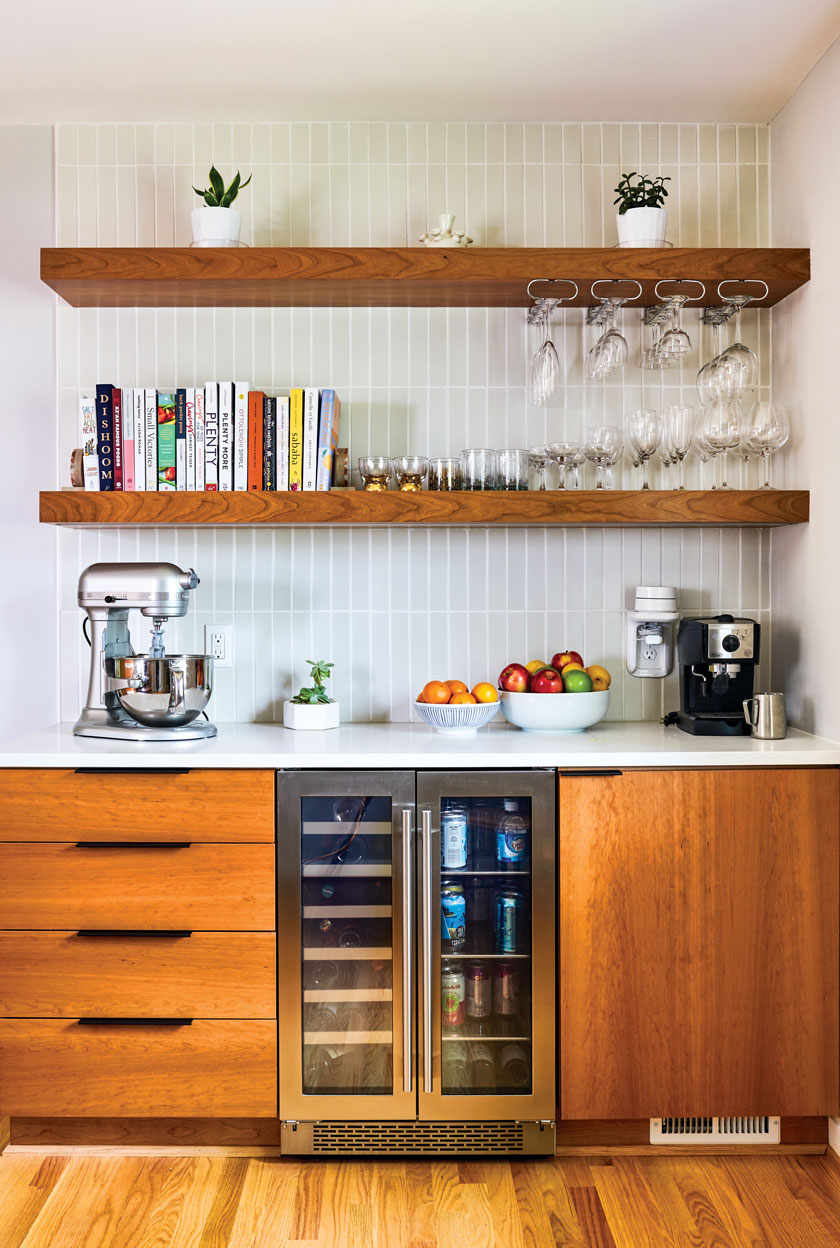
318	673
216	196
645	193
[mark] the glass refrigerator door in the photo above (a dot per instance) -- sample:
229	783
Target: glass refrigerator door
487	944
345	849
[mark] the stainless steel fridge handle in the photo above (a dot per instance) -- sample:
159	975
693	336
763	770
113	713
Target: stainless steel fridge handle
427	949
407	948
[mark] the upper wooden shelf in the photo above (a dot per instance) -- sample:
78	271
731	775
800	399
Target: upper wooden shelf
410	277
357	507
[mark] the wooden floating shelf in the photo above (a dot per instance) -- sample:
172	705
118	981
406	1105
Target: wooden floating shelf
411	277
358	507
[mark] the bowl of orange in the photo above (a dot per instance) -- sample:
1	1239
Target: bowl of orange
449	706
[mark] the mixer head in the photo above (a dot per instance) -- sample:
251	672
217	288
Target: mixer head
156	590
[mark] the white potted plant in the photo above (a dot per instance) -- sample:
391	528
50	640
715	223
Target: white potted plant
312	707
641	217
215	223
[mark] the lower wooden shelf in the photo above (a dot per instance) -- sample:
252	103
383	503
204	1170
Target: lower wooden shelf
350	507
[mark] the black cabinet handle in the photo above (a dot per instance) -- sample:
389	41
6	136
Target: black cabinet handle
135	1022
131	771
133	844
574	774
95	933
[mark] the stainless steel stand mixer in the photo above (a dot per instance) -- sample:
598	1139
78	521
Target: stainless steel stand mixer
141	697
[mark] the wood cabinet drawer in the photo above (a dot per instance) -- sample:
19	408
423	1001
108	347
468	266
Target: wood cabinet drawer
160	805
198	888
205	975
210	1069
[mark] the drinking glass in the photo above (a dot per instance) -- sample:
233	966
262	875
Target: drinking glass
539	459
512	469
375	471
603	448
675	341
769	431
609	354
702	449
738	364
644	433
569	456
544	376
723	431
446	474
410	471
679	427
479	468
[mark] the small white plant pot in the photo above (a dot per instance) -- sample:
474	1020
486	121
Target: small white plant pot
317	716
642	227
216	227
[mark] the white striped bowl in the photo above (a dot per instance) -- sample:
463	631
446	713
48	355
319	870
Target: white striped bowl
462	719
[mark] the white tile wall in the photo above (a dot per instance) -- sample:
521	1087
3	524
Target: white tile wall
394	608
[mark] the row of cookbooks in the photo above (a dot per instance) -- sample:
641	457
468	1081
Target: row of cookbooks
221	436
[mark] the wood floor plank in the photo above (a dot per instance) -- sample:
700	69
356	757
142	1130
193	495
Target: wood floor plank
182	1206
266	1207
85	1204
216	1230
389	1203
306	1224
590	1214
719	1217
817	1186
633	1215
784	1221
544	1206
420	1210
25	1186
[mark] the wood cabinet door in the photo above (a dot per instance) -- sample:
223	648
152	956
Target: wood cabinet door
698	943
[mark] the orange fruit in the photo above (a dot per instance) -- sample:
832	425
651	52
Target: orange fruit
456	686
435	692
484	692
462	698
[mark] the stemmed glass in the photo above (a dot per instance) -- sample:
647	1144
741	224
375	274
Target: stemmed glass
769	431
568	456
539	458
644	433
738	364
679	433
603	448
544	374
723	430
704	452
609	354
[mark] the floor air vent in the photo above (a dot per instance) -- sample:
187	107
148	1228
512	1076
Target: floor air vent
418	1137
715	1130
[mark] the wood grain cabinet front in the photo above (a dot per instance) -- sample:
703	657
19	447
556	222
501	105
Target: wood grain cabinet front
698	943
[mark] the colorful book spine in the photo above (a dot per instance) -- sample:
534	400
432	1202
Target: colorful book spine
256	399
296	440
211	436
311	398
200	440
327	437
225	435
166	441
240	436
283	442
128	440
180	439
190	438
138	417
87	435
105	435
116	402
150	422
269	475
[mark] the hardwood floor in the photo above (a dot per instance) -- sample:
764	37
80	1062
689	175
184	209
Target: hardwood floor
600	1202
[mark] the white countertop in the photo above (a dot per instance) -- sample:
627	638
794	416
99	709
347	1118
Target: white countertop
417	746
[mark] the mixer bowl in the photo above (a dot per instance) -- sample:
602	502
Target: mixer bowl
161	693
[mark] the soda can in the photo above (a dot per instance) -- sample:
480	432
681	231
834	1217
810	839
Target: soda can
452	996
506	989
479	999
453	838
511	934
453	916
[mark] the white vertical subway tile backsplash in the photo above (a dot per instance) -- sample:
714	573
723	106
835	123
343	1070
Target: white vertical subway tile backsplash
394	608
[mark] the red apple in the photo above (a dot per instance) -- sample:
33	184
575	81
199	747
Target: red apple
547	680
565	656
515	678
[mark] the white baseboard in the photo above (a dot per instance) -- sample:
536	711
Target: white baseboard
834	1134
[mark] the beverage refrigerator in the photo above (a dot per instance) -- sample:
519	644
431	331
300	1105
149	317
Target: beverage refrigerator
416	952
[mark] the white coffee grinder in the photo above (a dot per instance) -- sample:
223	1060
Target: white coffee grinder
141	697
650	631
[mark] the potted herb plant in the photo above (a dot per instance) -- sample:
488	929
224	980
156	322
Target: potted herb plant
216	223
312	707
641	216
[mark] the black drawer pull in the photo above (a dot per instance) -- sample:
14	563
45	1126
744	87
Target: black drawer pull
135	1022
131	771
573	774
94	933
133	844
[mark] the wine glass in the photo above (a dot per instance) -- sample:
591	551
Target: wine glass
544	376
704	452
769	431
679	432
567	455
723	431
603	448
737	366
539	458
644	433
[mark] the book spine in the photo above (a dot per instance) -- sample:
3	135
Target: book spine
87	435
310	437
269	480
256	399
190	440
225	435
211	436
128	439
200	439
166	442
282	450
105	435
117	438
139	418
240	436
180	439
327	437
151	425
296	440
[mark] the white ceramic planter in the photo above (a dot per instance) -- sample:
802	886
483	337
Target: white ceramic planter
316	716
642	227
216	227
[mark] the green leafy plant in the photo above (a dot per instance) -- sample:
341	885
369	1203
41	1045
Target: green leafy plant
216	196
644	193
318	673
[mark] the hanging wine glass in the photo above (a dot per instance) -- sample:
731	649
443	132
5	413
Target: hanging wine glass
545	373
610	353
738	365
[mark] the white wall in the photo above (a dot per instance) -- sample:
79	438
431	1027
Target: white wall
28	419
804	561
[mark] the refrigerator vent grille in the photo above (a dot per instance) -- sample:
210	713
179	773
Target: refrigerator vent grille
715	1130
418	1137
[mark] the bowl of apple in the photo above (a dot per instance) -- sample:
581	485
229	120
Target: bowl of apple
560	696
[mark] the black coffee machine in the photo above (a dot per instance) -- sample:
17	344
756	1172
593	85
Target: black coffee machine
717	657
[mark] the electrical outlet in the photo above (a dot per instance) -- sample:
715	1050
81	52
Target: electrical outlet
217	643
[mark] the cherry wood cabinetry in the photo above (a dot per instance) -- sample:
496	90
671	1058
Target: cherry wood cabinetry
698	943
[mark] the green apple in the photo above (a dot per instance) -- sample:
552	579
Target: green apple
577	682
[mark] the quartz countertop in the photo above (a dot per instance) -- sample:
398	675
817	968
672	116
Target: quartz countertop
369	746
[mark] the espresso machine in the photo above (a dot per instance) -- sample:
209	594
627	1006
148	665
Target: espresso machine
141	697
717	657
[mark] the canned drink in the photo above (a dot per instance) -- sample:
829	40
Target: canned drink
511	934
506	989
515	1067
452	996
479	990
453	838
453	916
482	1066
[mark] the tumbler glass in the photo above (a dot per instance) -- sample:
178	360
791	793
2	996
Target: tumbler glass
446	474
375	471
512	470
479	468
410	471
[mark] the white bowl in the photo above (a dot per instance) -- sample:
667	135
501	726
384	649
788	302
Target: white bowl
461	720
555	712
